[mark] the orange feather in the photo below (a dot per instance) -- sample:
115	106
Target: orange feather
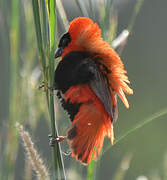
90	126
86	36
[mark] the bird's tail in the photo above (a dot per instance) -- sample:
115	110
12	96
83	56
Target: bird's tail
88	130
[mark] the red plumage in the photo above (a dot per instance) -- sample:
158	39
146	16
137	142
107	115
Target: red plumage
89	77
92	121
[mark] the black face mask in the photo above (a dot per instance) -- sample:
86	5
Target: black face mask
64	41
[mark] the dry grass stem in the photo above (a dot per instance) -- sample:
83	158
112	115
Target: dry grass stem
28	170
32	154
62	13
121	39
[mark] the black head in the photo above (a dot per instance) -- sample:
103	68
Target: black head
64	41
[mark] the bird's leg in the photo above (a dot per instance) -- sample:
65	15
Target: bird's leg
52	88
42	85
52	140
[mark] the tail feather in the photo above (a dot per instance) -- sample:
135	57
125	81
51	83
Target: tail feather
88	130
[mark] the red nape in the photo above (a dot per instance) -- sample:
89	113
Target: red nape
90	125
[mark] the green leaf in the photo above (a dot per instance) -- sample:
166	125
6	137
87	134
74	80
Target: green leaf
44	24
52	29
90	170
36	14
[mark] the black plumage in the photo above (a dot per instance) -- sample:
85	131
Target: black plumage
78	68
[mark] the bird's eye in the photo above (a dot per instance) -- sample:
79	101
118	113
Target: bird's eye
65	39
64	42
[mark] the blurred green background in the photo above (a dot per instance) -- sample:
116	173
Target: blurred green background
143	154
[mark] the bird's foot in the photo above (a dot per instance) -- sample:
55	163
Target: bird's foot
52	140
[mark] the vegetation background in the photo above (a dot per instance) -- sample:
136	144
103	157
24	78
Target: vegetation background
142	154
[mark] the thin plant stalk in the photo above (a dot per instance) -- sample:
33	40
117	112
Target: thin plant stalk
90	170
134	14
40	43
44	24
62	14
136	10
106	20
137	127
48	73
32	154
52	24
92	167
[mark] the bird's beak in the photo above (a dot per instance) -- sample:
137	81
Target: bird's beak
59	52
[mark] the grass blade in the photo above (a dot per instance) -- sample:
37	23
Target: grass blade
62	14
40	43
57	150
52	30
39	33
44	24
121	40
106	20
91	167
57	158
135	13
90	170
142	124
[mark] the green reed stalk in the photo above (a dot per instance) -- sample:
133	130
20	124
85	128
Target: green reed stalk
52	24
90	170
48	67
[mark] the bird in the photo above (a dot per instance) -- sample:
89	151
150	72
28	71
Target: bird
88	78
